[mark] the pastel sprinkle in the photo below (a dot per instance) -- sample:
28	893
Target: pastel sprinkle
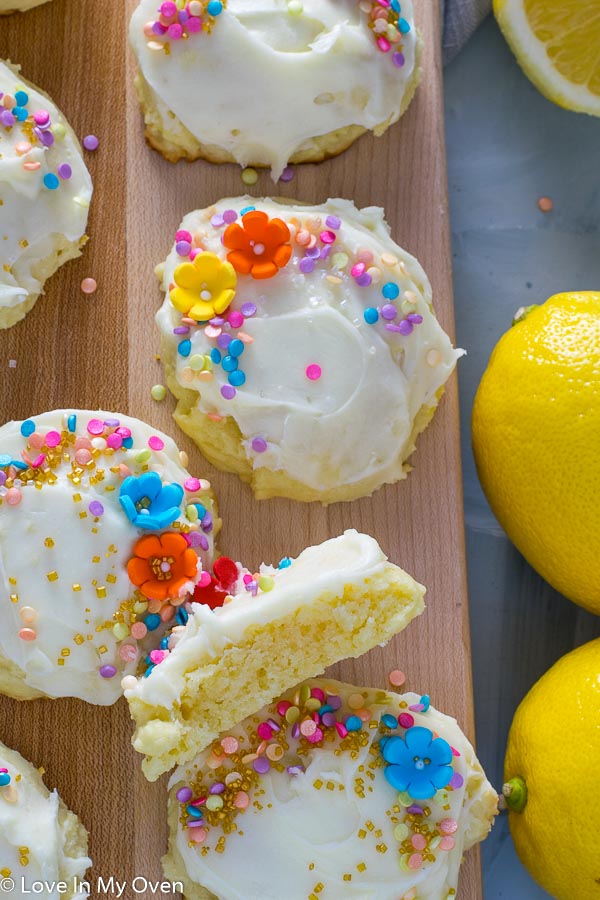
313	372
158	392
90	142
88	285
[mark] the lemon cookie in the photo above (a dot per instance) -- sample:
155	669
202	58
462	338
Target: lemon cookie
103	536
41	841
302	346
250	635
331	790
289	81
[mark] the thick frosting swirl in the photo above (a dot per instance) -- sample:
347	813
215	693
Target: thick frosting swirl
40	840
45	188
301	794
340	348
84	562
277	73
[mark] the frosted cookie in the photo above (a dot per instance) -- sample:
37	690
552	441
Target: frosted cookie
40	839
45	192
103	536
332	791
289	81
250	635
11	6
301	345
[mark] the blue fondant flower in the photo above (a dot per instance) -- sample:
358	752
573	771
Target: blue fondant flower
419	763
149	503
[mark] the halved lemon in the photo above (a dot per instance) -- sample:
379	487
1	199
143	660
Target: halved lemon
557	44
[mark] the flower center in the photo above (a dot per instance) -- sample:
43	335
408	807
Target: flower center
161	567
143	505
205	294
257	249
421	763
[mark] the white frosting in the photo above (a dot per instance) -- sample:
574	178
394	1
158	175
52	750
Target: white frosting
314	827
323	569
355	422
87	550
274	79
32	822
31	215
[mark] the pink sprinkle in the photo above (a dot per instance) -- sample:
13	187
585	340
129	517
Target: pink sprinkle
114	441
156	443
168	8
318	693
383	44
235	319
283	706
264	731
192	485
194	25
204	579
41	117
183	235
313	372
52	439
175	31
341	729
328	237
95	426
124	432
247	578
406	720
38	461
358	269
315	737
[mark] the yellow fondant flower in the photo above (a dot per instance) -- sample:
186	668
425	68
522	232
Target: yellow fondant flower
203	288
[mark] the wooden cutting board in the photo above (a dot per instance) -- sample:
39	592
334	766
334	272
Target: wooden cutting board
99	351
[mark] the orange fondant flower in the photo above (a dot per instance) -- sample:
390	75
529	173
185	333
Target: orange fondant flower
162	565
259	247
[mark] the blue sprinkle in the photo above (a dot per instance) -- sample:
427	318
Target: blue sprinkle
353	723
284	563
72	423
164	644
194	812
184	348
215	355
19	113
395	6
390	290
371	315
236	347
181	616
27	427
18	464
201	510
22	98
229	363
247	209
4	779
128	443
425	701
325	709
389	721
5	459
237	378
403	26
50	180
152	621
148	670
214	8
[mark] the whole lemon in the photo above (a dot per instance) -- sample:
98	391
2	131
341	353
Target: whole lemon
552	775
536	440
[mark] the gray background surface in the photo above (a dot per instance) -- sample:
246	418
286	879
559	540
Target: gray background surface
507	146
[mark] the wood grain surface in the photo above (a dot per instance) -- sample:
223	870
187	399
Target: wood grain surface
100	351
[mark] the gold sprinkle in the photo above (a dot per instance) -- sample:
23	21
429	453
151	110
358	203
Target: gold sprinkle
311	866
381	848
318	784
102	649
347	876
14	598
111	579
76	498
49	542
60	662
330	785
79	639
361	867
65	652
83	515
101	592
369	825
76	587
362	834
95	559
52	576
318	887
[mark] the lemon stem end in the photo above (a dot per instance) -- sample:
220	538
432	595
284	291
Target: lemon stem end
515	794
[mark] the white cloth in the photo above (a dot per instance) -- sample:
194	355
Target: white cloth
459	20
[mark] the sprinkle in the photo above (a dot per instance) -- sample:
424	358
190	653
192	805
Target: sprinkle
28	615
64	171
448	826
457	781
241	800
228	392
90	142
27	427
156	443
248	309
229	744
27	634
313	372
261	765
389	721
406	720
158	392
184	794
51	181
13	496
249	176
288	172
433	357
398	59
259	445
138	630
306	265
447	843
96	508
108	671
396	678
390	290
388	311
